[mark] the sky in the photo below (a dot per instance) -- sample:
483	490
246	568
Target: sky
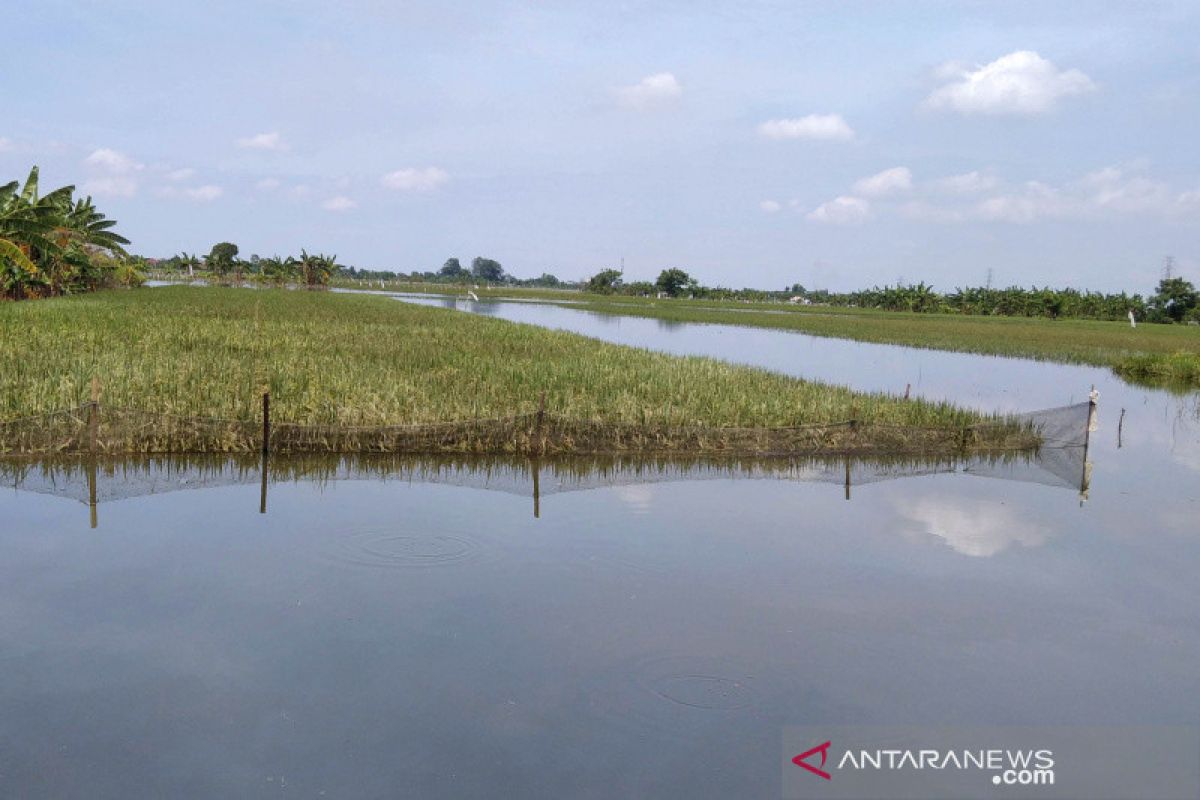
837	145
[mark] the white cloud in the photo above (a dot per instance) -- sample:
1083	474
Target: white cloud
659	89
770	206
111	161
1111	193
111	186
200	194
5	144
971	182
921	211
181	174
896	179
339	203
814	126
1036	200
415	179
113	174
300	191
204	194
1108	193
268	184
1018	83
1111	188
1189	201
262	141
842	210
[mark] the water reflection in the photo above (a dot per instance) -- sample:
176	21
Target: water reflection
96	480
973	527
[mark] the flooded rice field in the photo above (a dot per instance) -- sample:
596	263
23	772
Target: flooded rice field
360	628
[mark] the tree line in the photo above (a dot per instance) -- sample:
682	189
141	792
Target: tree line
481	271
54	243
313	270
1174	300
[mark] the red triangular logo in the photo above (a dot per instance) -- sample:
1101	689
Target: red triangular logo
800	761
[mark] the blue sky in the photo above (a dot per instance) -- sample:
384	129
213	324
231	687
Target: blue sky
756	144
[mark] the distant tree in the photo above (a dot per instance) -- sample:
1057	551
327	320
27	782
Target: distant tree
452	269
673	281
221	258
606	281
316	269
277	269
1174	300
547	280
187	263
486	269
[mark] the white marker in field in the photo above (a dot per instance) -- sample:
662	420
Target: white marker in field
1132	319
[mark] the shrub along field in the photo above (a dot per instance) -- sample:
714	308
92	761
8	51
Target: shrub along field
368	361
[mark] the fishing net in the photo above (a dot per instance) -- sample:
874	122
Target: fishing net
96	480
1062	456
105	430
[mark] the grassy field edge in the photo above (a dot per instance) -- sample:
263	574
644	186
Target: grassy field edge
1163	356
341	362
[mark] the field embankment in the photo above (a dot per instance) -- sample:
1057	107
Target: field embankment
182	368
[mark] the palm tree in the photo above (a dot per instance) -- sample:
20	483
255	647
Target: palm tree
316	269
26	224
94	228
52	243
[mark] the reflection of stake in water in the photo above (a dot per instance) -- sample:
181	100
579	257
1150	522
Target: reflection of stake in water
1085	478
92	480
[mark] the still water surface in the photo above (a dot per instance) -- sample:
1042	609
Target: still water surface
415	630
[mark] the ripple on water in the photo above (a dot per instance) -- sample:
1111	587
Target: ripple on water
676	697
711	692
405	549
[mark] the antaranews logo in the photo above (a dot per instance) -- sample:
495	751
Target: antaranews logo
802	760
1010	767
987	763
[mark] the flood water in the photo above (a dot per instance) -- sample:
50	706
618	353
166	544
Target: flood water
582	629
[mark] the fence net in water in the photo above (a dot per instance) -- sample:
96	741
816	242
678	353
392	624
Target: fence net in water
95	480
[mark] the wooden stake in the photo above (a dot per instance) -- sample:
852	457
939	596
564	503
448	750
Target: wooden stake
262	489
1091	419
94	416
541	417
536	468
91	477
266	414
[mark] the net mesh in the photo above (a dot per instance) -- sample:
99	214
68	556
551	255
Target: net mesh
105	430
97	480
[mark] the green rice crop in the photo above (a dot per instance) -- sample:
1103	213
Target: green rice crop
365	360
